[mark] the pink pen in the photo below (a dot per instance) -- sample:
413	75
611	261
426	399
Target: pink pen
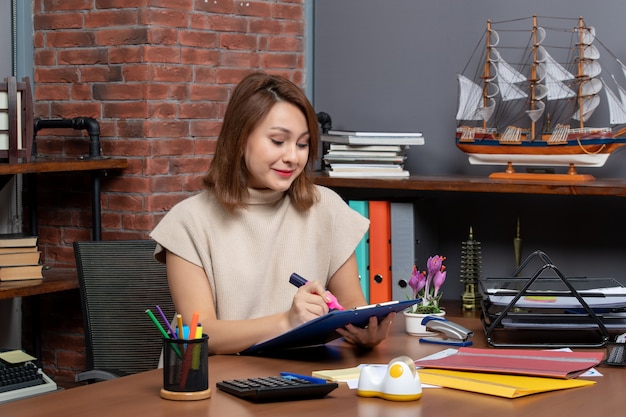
299	281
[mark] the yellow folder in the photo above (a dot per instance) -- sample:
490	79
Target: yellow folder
502	385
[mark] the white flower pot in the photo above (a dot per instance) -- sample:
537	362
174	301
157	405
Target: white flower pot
414	325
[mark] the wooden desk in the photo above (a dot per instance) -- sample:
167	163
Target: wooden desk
138	395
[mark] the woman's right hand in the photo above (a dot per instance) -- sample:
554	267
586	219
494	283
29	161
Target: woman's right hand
308	303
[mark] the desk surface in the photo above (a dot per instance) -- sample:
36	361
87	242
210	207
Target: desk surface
138	395
54	280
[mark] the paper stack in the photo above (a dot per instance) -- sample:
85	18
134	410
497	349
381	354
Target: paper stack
19	257
351	154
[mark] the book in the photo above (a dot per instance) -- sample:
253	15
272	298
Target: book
16	273
19	258
362	249
380	251
403	244
322	329
368	148
368	174
19	249
366	167
373	140
374	134
17	240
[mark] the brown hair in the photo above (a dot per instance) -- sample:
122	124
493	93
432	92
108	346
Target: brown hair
249	104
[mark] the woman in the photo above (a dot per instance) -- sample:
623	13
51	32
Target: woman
231	249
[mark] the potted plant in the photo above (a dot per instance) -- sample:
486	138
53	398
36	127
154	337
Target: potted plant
426	287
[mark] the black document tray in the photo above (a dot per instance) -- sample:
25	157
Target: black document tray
554	311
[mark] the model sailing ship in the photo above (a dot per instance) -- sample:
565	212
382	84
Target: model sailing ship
535	112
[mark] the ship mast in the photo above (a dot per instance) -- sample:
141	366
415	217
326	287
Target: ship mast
487	70
581	71
533	77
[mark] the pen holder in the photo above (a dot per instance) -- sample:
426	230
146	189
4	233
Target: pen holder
615	354
186	369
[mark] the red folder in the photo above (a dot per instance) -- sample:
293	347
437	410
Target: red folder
546	363
380	251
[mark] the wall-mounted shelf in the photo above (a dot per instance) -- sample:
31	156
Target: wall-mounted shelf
457	183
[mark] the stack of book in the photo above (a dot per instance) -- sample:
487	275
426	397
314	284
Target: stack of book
19	257
349	154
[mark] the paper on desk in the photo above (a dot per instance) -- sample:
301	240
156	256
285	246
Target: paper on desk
351	375
16	356
501	385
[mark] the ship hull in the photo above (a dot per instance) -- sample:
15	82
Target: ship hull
581	153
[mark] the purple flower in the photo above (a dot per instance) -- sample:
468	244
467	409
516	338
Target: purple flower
438	280
417	281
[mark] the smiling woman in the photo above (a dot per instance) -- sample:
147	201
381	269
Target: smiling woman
231	249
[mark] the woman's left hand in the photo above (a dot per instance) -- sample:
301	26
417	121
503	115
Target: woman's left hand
374	333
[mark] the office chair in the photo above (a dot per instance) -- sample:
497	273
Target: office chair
119	280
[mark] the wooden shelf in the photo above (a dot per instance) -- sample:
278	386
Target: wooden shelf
49	164
600	187
54	280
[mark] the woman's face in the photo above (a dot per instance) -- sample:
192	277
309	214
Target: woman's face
278	149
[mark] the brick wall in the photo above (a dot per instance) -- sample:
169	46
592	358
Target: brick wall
157	75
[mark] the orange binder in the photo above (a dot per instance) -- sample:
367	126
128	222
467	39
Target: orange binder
380	251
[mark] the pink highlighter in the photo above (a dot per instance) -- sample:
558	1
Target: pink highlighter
299	281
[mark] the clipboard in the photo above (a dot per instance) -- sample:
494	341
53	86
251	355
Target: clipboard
321	330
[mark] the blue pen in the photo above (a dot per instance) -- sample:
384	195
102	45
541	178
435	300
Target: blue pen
313	380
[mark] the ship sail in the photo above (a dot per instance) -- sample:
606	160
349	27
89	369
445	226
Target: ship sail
590	87
617	110
507	77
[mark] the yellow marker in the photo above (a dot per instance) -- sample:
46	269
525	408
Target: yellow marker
179	320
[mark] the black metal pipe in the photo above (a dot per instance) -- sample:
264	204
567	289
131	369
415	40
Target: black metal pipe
88	124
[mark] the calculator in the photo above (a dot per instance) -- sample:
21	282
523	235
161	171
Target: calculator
286	387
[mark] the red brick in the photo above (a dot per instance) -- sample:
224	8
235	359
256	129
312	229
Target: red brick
288	11
100	73
156	203
228	23
252	8
173	129
279	60
166	184
240	59
52	92
198	110
162	54
70	39
173	147
208	92
125	202
162	36
58	21
157	166
198	38
52	5
109	18
172	73
200	56
125	110
126	91
133	36
238	41
83	56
